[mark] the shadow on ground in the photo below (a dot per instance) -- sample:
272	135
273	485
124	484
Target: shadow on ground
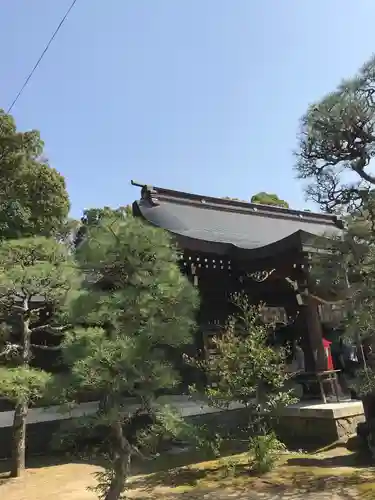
315	477
302	486
341	460
41	462
347	476
165	462
191	477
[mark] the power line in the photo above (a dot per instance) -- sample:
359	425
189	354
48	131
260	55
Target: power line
41	56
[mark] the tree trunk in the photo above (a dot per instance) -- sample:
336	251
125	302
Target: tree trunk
121	464
21	409
26	334
19	439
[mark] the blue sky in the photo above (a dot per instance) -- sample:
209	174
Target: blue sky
198	95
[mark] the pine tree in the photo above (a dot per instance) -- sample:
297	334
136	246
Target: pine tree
336	144
137	304
34	272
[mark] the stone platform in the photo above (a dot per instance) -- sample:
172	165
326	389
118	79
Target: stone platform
320	423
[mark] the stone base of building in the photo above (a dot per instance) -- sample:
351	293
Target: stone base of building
313	424
305	425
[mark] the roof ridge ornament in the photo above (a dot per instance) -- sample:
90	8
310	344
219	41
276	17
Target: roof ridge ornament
148	193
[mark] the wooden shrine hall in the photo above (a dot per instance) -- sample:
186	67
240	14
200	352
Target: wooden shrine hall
230	246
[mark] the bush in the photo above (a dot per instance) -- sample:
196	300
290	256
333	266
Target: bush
265	451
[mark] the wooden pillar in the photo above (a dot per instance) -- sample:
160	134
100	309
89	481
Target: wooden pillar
315	333
309	324
314	323
301	332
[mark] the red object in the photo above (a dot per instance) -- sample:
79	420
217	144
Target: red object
327	351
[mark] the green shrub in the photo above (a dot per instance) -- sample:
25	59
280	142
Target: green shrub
265	451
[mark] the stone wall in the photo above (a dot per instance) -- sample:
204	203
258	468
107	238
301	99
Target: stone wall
40	435
301	426
38	441
231	422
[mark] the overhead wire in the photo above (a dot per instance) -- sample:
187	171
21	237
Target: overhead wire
20	92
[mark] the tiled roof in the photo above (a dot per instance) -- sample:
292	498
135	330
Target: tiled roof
242	225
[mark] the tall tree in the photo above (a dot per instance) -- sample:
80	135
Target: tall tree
269	199
33	272
336	146
148	307
337	143
33	196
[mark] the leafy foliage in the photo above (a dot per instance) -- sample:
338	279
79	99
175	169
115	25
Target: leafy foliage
336	144
365	383
265	451
269	199
33	196
264	199
246	369
343	273
36	268
207	440
137	303
23	383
